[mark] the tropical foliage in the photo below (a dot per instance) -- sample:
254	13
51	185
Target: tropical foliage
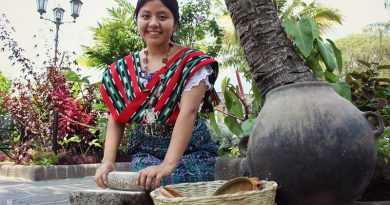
373	45
233	54
114	37
322	56
367	72
369	91
117	36
325	17
5	86
361	76
313	18
35	96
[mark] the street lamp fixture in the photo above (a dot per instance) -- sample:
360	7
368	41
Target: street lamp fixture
58	14
75	9
58	20
58	17
75	6
42	4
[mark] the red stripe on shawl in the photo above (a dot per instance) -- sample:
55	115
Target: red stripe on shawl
140	98
108	102
172	119
118	82
173	81
169	88
199	66
156	77
133	75
132	107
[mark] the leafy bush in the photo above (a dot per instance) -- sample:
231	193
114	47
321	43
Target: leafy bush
5	86
369	91
43	157
384	145
35	97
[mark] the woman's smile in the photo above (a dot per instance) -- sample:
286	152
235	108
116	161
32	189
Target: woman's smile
156	23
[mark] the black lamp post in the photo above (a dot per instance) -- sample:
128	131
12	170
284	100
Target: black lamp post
58	16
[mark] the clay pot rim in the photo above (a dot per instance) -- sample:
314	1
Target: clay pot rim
297	85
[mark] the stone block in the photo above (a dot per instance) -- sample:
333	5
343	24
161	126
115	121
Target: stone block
61	171
80	170
109	197
3	169
27	172
37	173
13	171
71	171
91	169
50	172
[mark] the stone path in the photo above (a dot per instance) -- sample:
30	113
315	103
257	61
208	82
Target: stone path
16	191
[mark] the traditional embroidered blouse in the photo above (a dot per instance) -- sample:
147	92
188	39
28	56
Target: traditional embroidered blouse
126	96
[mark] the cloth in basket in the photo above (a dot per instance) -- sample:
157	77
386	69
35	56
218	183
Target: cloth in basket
201	193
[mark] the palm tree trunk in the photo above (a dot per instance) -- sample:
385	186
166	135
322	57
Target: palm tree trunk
271	56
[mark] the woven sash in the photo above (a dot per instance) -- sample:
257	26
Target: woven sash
127	98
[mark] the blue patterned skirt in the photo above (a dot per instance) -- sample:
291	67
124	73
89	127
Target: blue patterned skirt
197	163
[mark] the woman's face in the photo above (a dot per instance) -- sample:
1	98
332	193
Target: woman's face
156	23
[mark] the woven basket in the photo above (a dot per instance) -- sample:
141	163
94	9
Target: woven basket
200	193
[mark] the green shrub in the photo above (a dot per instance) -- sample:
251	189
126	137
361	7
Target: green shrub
384	144
43	158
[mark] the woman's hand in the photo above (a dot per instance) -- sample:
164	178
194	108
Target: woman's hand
101	174
153	174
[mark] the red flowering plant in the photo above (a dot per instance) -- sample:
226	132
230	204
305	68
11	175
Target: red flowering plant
72	99
33	99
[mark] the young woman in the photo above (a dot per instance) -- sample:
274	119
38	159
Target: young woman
160	90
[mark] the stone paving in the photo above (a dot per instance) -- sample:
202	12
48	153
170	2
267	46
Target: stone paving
16	191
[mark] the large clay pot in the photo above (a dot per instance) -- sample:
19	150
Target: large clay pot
316	145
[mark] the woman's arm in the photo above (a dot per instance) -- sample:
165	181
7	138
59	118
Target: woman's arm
113	139
181	135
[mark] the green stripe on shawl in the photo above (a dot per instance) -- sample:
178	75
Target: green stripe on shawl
113	92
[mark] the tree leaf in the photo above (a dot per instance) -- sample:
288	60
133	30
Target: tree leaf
301	33
338	54
343	90
315	66
232	102
99	106
233	125
331	77
357	75
71	75
364	63
380	67
214	125
384	80
228	99
315	30
247	126
85	80
258	99
236	107
327	55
